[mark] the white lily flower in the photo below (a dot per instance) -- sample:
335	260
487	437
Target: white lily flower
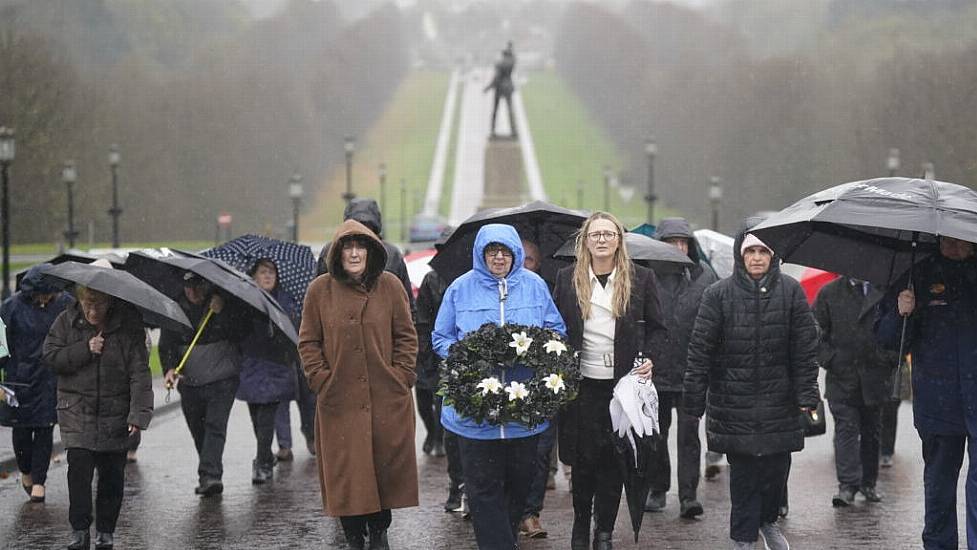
521	341
555	383
516	390
555	346
490	385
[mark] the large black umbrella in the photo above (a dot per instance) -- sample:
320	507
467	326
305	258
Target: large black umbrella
662	257
545	224
164	271
874	229
157	310
80	257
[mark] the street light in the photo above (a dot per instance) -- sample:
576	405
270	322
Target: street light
651	149
295	192
349	145
892	163
607	188
403	210
715	197
115	211
382	169
7	150
69	175
579	194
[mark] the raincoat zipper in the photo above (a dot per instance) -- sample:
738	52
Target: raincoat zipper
503	294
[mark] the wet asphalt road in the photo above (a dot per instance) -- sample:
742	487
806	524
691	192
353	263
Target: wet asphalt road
161	511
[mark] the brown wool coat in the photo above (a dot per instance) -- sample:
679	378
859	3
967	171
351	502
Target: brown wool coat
358	346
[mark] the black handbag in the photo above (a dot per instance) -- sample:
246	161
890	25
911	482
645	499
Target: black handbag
813	421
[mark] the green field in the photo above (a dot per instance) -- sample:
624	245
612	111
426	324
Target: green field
404	139
52	249
572	147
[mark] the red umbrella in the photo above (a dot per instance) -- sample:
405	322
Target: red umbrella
812	279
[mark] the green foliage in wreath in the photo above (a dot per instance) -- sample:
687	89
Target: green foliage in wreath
483	377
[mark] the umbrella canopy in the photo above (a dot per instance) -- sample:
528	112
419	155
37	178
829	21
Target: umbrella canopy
76	256
545	224
295	262
812	279
157	310
717	249
866	229
644	250
164	270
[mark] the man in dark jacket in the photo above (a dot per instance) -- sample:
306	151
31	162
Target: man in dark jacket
680	295
858	382
367	212
210	376
753	349
941	335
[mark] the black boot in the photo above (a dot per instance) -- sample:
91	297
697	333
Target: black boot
103	541
261	473
580	536
355	541
378	540
80	540
602	541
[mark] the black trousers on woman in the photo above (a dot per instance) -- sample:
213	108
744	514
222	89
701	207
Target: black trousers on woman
111	467
756	491
263	421
597	480
32	447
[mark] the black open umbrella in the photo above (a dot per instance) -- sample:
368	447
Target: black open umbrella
157	310
164	271
662	257
545	224
77	256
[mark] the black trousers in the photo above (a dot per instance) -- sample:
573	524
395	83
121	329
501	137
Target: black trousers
756	490
597	480
541	471
890	423
856	442
111	466
943	458
429	413
206	409
689	449
32	447
263	422
451	449
497	477
361	525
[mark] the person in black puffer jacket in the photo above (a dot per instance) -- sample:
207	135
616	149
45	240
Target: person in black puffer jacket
753	349
680	295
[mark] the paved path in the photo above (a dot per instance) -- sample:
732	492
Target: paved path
435	182
161	511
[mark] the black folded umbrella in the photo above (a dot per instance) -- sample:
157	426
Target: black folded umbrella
157	310
164	271
547	225
662	257
635	465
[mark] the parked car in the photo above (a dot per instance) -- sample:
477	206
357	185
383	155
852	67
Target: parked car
426	228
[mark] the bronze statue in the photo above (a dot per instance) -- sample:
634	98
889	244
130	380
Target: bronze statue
502	83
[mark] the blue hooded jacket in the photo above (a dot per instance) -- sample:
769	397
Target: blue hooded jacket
476	298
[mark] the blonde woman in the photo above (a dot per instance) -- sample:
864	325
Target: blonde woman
601	297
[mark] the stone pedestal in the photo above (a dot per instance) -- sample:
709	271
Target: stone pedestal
503	174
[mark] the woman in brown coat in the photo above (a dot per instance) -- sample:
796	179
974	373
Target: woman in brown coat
358	347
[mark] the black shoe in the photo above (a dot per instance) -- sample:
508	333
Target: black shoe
209	487
428	446
439	449
845	496
690	509
356	542
378	540
885	461
602	541
580	536
103	541
261	473
870	494
453	504
783	511
655	502
80	540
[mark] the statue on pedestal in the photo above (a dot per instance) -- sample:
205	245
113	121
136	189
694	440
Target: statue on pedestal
502	83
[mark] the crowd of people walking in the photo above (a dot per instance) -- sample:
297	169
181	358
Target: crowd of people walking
744	351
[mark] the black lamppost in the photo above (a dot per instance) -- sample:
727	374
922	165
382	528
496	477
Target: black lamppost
69	175
892	163
382	170
579	194
349	145
115	211
715	198
295	192
403	210
7	150
607	188
651	149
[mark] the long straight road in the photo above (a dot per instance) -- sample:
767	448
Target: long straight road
161	511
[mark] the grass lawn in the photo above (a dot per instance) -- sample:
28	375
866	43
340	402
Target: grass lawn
572	147
404	138
52	249
444	206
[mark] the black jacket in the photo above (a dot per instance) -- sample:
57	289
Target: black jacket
859	371
644	305
429	297
753	349
680	295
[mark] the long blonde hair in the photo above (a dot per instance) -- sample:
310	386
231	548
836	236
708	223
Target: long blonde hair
622	268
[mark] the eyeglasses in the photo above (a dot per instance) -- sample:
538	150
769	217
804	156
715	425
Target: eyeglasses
492	252
606	235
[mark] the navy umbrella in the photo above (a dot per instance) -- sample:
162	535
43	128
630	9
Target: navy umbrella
157	309
295	262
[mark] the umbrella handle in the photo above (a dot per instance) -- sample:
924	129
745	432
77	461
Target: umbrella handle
909	286
200	330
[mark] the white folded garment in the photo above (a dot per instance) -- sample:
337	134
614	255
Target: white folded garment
634	409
